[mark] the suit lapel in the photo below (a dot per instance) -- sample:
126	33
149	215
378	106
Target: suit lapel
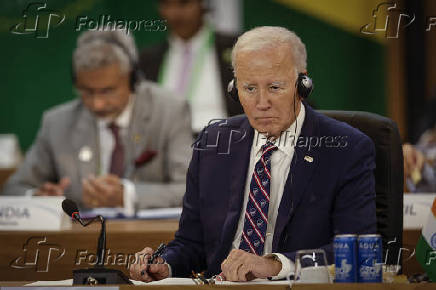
85	142
137	140
240	152
304	163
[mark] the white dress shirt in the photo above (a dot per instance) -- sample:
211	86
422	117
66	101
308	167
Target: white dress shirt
280	166
206	100
107	143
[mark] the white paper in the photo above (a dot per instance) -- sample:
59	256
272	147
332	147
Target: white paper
160	213
68	282
10	153
189	281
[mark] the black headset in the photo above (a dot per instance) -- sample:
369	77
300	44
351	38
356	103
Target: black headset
303	84
135	72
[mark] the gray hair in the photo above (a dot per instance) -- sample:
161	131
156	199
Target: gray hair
272	36
96	49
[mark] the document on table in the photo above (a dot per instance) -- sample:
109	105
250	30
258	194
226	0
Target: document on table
167	281
189	281
159	213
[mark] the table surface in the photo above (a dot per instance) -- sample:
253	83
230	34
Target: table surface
40	256
35	256
345	286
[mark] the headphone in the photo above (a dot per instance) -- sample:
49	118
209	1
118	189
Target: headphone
303	84
135	74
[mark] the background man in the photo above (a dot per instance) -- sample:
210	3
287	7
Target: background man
246	213
194	62
119	142
420	159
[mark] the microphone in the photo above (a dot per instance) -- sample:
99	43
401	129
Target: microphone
99	274
70	208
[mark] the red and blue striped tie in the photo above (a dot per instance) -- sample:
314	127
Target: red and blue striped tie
256	214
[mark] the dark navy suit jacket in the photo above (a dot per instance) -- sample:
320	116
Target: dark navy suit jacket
330	190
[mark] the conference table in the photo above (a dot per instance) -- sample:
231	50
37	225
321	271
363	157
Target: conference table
41	256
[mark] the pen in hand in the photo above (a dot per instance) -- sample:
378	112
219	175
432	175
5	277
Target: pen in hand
155	255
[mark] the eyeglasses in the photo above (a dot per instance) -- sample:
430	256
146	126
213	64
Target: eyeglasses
104	92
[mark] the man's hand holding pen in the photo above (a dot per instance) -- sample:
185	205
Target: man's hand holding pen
149	266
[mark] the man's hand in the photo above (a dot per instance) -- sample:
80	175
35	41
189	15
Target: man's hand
102	191
413	160
242	266
53	189
142	271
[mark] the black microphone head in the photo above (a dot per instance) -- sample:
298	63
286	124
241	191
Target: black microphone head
69	207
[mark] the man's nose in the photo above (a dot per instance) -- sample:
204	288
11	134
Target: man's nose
98	103
263	100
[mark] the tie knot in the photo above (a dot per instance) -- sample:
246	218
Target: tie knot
113	127
268	148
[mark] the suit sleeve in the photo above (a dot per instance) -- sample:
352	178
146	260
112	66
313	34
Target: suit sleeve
37	166
354	210
186	253
178	151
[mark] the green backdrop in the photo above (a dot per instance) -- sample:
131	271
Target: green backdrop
348	71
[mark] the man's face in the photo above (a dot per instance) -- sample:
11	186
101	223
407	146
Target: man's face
105	91
266	85
184	17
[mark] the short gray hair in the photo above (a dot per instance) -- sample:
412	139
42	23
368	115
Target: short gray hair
272	36
96	49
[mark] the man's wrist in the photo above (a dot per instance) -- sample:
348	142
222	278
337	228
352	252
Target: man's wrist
276	264
129	197
287	266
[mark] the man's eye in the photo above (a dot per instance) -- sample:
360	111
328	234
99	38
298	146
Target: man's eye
106	90
275	88
250	89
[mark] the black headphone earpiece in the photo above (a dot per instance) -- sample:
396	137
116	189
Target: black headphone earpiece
232	90
303	84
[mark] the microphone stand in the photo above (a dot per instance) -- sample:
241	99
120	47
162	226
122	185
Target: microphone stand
99	274
101	246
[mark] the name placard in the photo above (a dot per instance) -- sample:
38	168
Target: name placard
416	208
33	213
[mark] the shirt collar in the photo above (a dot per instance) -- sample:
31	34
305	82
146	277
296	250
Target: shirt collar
195	41
287	139
123	120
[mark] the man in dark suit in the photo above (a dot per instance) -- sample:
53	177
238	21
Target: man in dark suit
279	179
194	61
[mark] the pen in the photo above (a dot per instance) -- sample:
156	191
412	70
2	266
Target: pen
155	255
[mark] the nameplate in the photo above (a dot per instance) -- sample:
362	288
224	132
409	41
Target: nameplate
416	208
33	213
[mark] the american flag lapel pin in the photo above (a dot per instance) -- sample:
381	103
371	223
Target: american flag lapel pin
308	158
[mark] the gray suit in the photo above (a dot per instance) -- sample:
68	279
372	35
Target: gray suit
158	123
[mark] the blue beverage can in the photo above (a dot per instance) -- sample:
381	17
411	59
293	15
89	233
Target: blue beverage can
370	259
345	247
